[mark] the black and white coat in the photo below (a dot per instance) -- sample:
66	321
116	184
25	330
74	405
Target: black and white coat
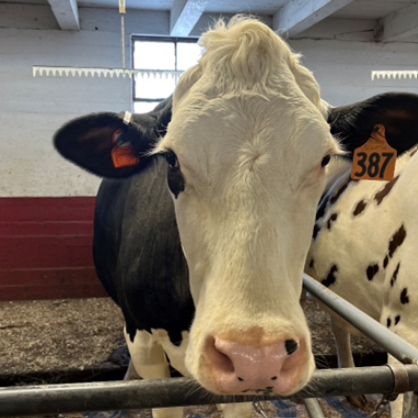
365	238
138	252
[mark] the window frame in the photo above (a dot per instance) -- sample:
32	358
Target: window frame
154	38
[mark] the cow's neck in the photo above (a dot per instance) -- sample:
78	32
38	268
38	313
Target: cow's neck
337	168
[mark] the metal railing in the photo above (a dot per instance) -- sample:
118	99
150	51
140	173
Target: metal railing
392	343
160	393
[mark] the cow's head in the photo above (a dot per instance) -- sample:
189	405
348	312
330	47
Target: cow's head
246	150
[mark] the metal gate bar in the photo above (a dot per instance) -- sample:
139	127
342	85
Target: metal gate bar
313	408
107	396
157	393
392	343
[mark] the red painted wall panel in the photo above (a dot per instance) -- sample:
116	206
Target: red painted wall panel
45	228
46	251
46	248
41	209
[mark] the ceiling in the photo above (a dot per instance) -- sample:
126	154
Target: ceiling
394	20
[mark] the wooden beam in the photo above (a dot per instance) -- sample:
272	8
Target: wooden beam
299	15
66	13
184	16
400	25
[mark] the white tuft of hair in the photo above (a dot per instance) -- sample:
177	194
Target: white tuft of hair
245	53
245	56
243	49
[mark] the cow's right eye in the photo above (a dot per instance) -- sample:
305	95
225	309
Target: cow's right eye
171	159
175	179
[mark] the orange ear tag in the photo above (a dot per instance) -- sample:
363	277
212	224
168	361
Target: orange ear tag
123	155
376	159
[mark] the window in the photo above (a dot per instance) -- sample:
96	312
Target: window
161	61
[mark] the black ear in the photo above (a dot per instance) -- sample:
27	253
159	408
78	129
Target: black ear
89	141
397	112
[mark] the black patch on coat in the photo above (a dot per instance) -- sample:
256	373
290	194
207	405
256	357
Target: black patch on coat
397	319
330	279
311	263
359	207
372	271
404	296
332	219
320	211
316	230
395	275
380	195
395	242
337	195
388	322
138	254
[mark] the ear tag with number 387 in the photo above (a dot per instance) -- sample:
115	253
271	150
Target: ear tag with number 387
374	160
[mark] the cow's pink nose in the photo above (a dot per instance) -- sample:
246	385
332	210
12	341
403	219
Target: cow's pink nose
237	368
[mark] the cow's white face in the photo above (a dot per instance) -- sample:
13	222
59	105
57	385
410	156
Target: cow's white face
245	147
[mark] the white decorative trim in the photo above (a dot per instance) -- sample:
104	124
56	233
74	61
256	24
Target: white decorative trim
52	71
395	74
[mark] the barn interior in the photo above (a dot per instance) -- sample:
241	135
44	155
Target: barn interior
56	322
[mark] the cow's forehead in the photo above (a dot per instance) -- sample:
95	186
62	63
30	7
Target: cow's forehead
228	131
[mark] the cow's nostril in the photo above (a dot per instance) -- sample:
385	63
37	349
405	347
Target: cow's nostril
220	359
291	346
274	378
240	379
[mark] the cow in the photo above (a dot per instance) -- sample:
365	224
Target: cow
208	271
366	232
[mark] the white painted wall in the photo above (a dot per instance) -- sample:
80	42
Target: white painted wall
343	69
31	109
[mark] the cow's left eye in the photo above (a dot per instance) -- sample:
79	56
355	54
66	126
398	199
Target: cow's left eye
326	160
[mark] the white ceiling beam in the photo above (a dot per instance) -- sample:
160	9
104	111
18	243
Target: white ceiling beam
66	13
298	15
184	15
400	25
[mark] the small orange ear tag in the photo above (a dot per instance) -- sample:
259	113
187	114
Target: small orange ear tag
122	155
376	159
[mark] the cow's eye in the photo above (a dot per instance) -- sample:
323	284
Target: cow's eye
175	179
326	160
171	159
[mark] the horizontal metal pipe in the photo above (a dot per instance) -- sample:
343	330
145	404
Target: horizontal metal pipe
392	343
108	396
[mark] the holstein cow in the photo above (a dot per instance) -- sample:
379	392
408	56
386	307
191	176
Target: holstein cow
366	232
244	157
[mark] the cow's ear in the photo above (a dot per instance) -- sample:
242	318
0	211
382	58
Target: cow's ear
397	112
111	144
